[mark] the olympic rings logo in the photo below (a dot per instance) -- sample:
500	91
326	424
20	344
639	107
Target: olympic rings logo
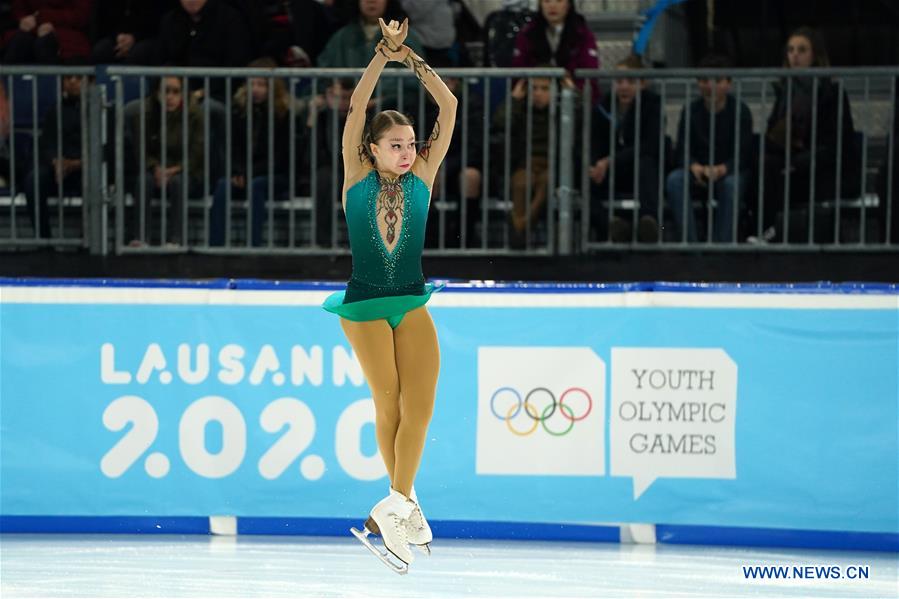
539	417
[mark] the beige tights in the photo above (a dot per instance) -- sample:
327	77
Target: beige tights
401	367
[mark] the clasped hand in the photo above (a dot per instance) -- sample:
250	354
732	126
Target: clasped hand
391	45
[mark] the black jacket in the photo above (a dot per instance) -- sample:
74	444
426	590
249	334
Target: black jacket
259	142
725	135
71	131
219	39
137	17
625	131
826	138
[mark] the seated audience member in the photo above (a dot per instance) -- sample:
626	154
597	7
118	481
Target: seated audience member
125	31
253	103
712	162
620	129
166	166
527	211
354	44
49	31
204	33
60	166
804	49
559	36
434	22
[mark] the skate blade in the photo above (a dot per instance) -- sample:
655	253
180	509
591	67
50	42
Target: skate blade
384	556
425	548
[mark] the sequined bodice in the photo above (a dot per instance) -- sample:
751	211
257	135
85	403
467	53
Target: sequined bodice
377	270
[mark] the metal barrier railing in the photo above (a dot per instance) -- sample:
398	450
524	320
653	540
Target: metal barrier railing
823	182
49	173
227	171
307	191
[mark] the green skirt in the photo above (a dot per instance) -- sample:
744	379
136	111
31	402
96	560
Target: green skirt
391	308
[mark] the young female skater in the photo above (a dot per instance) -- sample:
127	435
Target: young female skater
387	189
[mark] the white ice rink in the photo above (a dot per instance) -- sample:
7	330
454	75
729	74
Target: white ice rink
269	566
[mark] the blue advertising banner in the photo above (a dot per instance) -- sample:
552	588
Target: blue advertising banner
765	408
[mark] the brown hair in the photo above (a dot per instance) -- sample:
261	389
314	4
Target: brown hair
281	102
379	125
631	61
819	50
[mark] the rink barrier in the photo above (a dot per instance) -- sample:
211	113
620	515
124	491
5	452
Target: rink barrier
308	526
666	534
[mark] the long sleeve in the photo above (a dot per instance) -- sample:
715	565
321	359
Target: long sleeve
745	124
76	16
682	140
523	56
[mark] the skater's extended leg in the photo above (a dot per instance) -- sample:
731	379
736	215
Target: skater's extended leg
418	363
373	343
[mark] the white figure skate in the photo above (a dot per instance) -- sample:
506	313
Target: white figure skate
389	519
419	532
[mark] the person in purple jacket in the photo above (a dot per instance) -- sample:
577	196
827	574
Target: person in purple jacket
559	36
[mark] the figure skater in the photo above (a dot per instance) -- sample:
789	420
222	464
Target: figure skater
387	191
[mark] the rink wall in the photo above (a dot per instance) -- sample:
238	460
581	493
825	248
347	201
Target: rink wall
718	414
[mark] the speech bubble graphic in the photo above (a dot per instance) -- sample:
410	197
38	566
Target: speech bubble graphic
673	414
541	410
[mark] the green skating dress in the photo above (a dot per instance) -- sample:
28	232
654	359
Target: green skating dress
384	284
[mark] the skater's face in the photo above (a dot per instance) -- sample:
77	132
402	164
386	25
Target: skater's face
395	151
372	10
171	93
540	90
799	52
555	11
193	7
259	87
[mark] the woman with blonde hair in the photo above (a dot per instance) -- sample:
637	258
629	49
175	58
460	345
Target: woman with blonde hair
387	191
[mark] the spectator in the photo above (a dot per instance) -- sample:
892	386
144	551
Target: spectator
522	215
328	166
354	44
59	165
204	33
500	31
50	31
888	183
5	129
434	22
252	16
558	36
623	130
298	31
256	104
8	23
452	163
712	162
165	165
125	31
804	48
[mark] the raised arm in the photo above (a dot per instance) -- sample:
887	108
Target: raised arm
431	155
355	161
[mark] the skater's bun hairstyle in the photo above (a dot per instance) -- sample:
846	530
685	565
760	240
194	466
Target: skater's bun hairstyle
378	126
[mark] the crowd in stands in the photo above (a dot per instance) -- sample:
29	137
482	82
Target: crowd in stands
343	33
